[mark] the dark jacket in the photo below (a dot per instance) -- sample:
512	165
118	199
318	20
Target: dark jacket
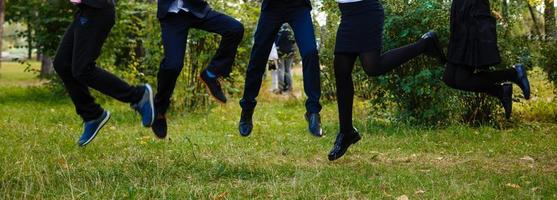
473	39
265	3
198	8
284	42
98	3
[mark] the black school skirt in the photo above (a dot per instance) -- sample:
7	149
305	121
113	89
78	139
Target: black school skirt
361	27
473	40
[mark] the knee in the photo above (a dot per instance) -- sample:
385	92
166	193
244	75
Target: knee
453	82
309	53
236	32
172	64
81	73
372	72
449	82
370	68
61	67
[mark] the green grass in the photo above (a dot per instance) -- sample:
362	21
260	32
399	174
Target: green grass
14	74
205	158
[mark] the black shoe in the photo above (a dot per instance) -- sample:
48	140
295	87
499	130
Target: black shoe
246	124
343	141
159	127
434	48
507	99
523	81
314	124
213	86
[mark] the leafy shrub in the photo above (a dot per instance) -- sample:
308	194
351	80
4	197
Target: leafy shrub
416	90
134	50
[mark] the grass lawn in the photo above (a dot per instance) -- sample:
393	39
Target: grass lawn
13	74
205	158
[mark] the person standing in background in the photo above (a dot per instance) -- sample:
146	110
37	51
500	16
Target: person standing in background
285	43
273	68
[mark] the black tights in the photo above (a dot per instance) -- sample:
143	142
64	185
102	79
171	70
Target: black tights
464	78
374	64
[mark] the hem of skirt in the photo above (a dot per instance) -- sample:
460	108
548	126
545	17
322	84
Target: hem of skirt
477	65
358	50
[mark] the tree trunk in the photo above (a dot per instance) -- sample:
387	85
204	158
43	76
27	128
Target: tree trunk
505	10
505	16
46	66
549	19
2	4
29	41
534	20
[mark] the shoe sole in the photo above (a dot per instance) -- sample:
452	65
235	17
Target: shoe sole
159	137
151	104
320	130
247	134
103	122
356	141
319	135
209	91
353	143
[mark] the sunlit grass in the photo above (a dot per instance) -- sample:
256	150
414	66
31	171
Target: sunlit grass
205	158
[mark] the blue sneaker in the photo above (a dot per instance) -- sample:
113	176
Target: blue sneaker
523	81
91	128
145	107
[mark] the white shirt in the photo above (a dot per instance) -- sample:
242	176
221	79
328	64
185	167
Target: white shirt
177	6
348	1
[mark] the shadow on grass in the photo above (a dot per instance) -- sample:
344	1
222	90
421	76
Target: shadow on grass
24	95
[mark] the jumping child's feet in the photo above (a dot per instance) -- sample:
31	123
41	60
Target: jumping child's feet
92	128
146	107
434	48
342	142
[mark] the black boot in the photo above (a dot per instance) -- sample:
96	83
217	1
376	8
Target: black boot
246	124
507	99
159	126
434	48
523	81
342	142
314	124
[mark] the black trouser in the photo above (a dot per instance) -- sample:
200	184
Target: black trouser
268	26
175	27
374	64
464	78
75	63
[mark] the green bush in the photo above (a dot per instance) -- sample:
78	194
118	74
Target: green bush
415	91
134	49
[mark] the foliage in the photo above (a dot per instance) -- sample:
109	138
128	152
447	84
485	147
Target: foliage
548	58
415	88
48	23
133	50
414	92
